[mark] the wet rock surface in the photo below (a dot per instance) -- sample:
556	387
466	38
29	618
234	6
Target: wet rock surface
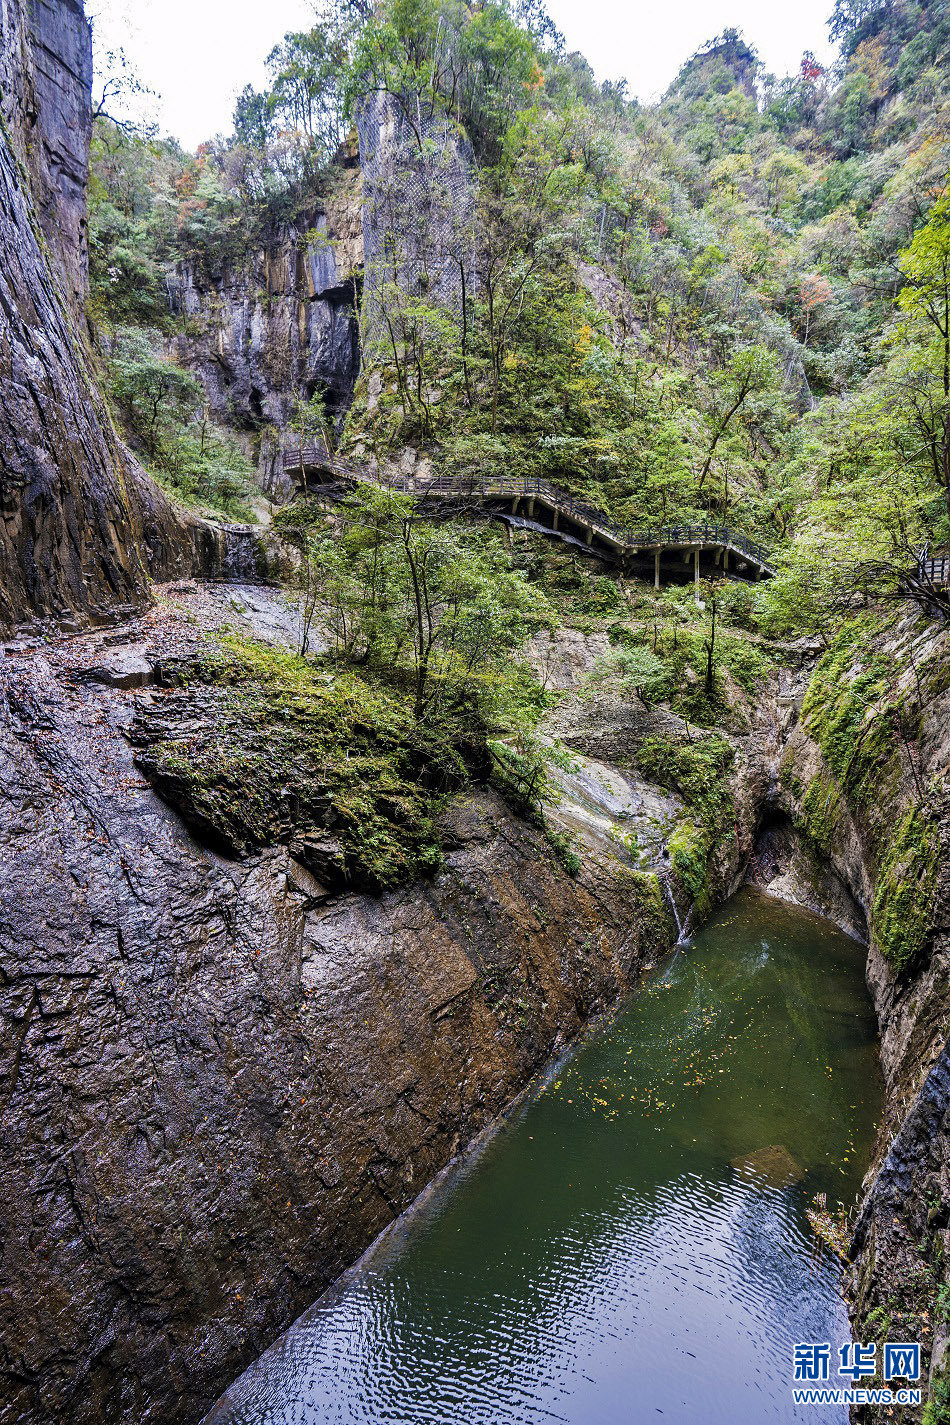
271	328
127	669
901	1234
220	1082
46	99
81	525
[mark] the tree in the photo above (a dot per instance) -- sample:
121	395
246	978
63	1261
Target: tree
815	292
851	19
311	424
155	394
395	589
253	118
870	509
751	372
925	299
783	174
119	90
475	64
307	95
636	669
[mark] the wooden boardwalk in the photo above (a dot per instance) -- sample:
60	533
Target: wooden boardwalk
676	551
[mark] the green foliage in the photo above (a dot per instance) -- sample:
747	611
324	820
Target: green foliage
846	711
675	650
857	717
902	918
818	815
155	395
132	208
392	588
442	56
126	281
937	1409
308	72
560	844
697	769
650	289
162	411
634	669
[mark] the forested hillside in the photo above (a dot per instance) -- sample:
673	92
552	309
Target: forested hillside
732	304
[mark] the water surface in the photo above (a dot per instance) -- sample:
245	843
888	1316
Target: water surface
622	1249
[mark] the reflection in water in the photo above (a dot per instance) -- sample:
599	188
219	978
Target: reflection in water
631	1246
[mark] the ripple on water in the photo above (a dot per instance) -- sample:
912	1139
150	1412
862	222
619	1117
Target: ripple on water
600	1261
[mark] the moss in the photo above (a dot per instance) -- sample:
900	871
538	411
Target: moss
790	780
818	814
937	1409
563	849
652	914
689	848
847	712
259	747
698	770
855	716
902	918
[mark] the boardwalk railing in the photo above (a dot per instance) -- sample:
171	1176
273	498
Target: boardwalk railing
935	571
623	539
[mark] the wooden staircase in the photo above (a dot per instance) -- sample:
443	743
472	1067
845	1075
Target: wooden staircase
530	503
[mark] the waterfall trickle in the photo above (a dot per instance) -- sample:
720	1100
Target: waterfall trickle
682	930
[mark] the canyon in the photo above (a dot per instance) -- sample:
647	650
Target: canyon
222	1077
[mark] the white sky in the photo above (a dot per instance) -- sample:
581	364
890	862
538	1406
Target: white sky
197	55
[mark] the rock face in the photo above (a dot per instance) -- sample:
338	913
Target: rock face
45	96
834	851
79	522
276	328
419	204
904	1224
218	1084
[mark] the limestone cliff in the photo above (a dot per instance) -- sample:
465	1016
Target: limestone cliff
45	98
80	525
419	205
271	329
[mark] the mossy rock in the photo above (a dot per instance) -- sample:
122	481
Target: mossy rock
258	748
902	918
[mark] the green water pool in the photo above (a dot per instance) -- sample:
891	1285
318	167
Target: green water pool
631	1244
